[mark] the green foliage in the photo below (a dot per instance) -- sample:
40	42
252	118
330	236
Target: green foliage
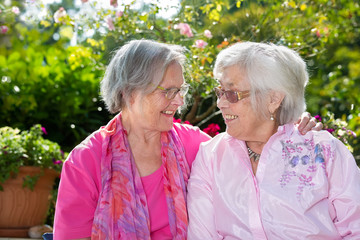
49	78
27	148
54	85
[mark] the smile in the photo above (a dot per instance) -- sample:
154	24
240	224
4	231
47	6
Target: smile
230	117
168	112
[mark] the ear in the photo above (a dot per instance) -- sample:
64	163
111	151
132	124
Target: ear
134	96
276	99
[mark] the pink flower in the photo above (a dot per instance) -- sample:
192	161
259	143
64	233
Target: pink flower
318	117
330	130
84	1
4	29
200	43
57	162
119	13
61	13
110	23
113	3
212	129
184	29
15	10
208	34
44	130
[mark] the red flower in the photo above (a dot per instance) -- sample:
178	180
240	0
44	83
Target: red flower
176	120
330	130
318	117
212	129
179	121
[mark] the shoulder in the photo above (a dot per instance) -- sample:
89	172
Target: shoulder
190	133
86	157
220	140
322	139
191	137
92	144
186	128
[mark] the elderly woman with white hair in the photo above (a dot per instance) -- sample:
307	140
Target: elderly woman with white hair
262	179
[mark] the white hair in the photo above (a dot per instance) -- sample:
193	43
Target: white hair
139	65
269	67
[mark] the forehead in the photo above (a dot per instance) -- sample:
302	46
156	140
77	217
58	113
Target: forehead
173	75
233	77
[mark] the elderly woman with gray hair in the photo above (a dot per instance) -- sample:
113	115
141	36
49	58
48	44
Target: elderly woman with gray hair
128	179
262	179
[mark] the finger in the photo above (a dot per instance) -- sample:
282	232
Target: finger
319	126
303	121
310	125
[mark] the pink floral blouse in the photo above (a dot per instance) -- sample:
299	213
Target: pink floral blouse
306	187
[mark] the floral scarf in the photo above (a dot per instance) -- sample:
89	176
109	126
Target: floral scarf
122	211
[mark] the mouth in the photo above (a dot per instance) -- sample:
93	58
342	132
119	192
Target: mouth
229	117
168	112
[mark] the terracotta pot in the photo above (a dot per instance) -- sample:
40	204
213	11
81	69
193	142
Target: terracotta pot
21	208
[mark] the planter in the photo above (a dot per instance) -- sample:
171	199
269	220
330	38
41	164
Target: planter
21	208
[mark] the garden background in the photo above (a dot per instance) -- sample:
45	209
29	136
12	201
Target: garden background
53	56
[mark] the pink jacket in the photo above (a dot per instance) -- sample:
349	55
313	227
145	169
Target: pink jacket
80	186
306	187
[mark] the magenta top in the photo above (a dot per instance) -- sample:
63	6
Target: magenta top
80	186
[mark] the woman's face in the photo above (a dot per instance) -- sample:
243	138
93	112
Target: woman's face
240	119
154	111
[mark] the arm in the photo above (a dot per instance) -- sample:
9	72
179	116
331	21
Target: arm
78	193
200	199
344	192
307	123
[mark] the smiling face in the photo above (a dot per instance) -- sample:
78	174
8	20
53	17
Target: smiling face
241	120
154	111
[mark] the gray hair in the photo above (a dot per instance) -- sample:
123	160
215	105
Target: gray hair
269	67
139	65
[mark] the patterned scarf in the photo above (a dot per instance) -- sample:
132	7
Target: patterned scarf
122	211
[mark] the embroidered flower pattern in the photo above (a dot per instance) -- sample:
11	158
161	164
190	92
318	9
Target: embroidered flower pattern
302	161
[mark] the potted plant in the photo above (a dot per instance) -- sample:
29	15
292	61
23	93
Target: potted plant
29	165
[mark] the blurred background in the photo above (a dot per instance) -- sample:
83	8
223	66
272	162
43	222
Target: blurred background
53	55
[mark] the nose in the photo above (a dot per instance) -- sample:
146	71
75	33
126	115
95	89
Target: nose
222	102
178	99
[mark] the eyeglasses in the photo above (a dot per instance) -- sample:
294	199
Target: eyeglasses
231	96
170	93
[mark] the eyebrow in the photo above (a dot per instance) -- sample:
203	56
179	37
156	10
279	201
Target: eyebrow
228	84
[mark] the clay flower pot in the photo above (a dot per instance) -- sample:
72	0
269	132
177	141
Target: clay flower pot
22	208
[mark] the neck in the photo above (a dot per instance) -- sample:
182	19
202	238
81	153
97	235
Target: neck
136	132
259	139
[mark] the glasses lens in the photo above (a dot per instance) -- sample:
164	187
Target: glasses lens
183	90
231	96
218	92
171	93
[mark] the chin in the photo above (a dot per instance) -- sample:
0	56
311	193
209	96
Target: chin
166	127
232	133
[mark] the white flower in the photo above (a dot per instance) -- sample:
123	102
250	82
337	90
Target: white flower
15	10
208	34
61	13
